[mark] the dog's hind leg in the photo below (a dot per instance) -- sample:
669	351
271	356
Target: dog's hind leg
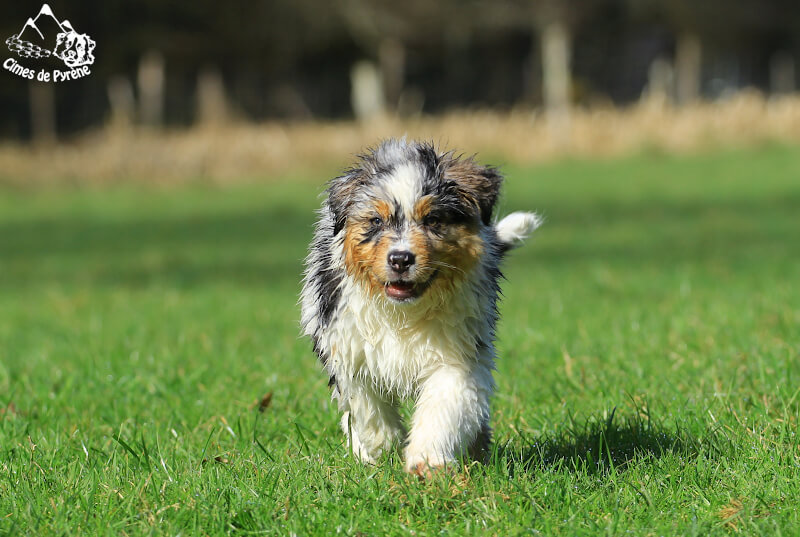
370	423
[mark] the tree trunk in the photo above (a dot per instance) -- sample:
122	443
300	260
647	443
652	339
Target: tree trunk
123	104
660	81
688	62
212	104
151	89
366	92
556	76
392	56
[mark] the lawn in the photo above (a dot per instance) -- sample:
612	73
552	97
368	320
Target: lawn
153	380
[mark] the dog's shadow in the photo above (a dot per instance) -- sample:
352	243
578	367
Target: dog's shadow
599	445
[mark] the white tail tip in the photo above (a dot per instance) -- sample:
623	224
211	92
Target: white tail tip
515	228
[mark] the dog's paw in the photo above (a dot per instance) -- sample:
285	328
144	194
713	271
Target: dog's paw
425	467
422	470
425	472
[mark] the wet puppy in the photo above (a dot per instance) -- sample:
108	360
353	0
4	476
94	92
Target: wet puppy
399	299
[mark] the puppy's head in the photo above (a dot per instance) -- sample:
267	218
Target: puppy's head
411	218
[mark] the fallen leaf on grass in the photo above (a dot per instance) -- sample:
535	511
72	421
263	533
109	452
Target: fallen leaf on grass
265	402
221	459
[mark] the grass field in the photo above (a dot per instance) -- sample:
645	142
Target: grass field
648	380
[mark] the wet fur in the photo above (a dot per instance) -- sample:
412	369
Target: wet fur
436	347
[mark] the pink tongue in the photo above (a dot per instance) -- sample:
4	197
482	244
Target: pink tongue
400	290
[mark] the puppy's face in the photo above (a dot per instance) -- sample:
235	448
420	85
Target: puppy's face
412	219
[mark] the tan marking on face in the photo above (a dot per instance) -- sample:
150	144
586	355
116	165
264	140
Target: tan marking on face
422	208
456	252
450	254
383	209
366	261
420	247
453	251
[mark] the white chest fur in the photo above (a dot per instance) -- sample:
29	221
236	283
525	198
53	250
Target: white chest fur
394	347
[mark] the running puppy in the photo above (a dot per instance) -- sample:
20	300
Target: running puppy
399	299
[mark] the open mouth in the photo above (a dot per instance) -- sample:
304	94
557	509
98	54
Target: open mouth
403	290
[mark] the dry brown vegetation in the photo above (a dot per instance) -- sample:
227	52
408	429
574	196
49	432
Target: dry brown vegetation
239	152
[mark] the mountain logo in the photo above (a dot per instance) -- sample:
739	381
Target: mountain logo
44	36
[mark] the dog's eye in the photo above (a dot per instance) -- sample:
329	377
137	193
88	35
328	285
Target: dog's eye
376	222
432	221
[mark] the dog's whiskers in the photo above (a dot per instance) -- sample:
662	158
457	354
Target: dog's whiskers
448	265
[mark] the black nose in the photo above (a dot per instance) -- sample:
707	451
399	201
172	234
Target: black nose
400	260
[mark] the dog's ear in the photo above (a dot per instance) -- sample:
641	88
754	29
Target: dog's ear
341	194
479	185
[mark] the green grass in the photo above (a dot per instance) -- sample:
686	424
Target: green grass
648	380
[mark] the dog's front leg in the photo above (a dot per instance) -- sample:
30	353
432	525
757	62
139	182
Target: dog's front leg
451	417
370	423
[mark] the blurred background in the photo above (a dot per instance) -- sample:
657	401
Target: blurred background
223	91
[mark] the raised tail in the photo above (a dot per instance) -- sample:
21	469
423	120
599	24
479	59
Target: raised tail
515	228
